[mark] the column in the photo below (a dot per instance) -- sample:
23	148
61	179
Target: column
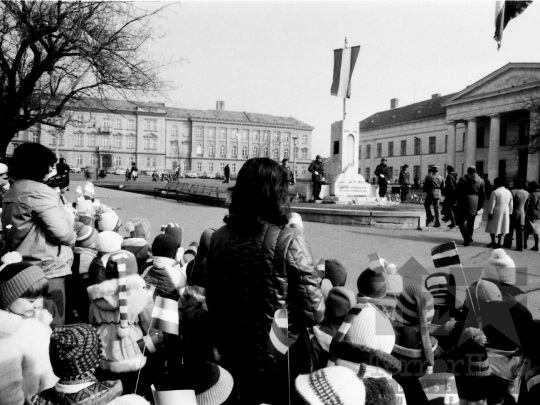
494	146
470	147
533	160
451	145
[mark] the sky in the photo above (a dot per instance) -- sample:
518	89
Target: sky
277	57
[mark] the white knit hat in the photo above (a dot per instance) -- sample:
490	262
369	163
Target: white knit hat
330	385
108	219
109	241
500	268
372	329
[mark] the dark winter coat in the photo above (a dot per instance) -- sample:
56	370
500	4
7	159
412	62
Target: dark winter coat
450	186
434	184
318	167
470	194
385	171
140	249
404	178
227	170
250	277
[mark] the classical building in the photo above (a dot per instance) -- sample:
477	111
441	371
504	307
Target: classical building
486	125
114	133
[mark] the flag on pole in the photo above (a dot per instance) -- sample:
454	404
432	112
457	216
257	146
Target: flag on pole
445	255
344	61
280	341
150	343
165	315
376	263
504	12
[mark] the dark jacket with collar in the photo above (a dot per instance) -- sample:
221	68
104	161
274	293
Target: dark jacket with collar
470	194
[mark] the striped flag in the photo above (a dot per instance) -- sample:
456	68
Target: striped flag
165	315
280	341
504	12
150	343
344	61
445	255
376	263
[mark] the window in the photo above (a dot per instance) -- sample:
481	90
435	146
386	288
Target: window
275	153
479	137
359	151
245	135
150	142
199	149
211	150
131	124
222	133
185	130
79	140
210	166
234	150
304	138
118	161
391	170
266	135
234	133
35	137
265	152
379	150
53	140
416	172
151	125
91	140
244	151
368	172
106	123
296	153
432	144
403	148
199	132
93	160
286	136
416	146
151	161
222	150
368	151
256	136
131	142
105	141
93	122
174	148
78	120
186	166
304	153
199	166
502	139
117	141
286	153
222	166
304	170
390	149
233	167
523	133
211	132
131	160
185	147
277	137
255	151
79	160
336	147
175	130
118	123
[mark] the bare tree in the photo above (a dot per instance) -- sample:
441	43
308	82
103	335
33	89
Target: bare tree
56	53
530	137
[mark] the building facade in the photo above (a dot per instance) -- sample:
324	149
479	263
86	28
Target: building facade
486	125
114	134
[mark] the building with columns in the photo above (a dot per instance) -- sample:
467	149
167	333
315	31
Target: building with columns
486	125
114	134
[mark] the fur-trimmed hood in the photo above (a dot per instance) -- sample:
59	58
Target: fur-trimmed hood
105	294
9	323
136	242
360	354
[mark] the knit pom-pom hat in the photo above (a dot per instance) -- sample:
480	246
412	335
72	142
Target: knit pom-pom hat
339	302
107	219
337	384
500	267
174	230
16	277
108	241
336	272
89	190
86	236
165	246
370	328
371	284
138	228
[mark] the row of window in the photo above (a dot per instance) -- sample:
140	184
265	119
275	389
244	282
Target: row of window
93	161
210	166
403	148
150	142
244	135
116	123
234	151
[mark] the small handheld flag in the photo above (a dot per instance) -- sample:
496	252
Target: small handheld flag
165	315
150	342
280	341
376	263
445	255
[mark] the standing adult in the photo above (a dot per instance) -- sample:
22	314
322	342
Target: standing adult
134	171
533	216
382	172
316	168
35	222
257	265
227	173
449	193
290	174
470	199
62	168
517	217
433	186
404	182
499	211
487	185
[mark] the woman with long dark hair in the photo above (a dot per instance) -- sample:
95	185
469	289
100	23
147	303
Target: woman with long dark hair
257	265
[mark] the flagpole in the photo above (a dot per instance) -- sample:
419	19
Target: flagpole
345	98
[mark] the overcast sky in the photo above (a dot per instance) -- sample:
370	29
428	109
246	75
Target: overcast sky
277	57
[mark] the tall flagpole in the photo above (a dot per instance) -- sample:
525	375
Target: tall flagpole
345	98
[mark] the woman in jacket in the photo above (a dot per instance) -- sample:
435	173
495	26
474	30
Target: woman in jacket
35	222
257	265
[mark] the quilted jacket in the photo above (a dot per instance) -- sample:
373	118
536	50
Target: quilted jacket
248	279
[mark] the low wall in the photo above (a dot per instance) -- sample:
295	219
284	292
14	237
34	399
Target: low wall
368	218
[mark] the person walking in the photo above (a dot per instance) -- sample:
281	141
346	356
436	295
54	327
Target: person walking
254	250
517	218
499	211
533	216
290	174
227	173
487	185
470	199
433	185
134	171
404	182
382	172
449	193
316	168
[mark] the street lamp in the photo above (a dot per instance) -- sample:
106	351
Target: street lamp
420	171
295	140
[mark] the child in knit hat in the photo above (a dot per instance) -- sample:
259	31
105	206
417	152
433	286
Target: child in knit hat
371	285
25	368
340	300
75	353
501	270
137	242
85	211
107	219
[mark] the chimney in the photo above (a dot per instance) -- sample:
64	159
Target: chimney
394	103
436	95
220	105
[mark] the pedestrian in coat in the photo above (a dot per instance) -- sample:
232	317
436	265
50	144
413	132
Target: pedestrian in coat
256	265
449	193
316	168
433	186
404	182
499	210
134	171
470	199
382	172
533	216
290	174
517	219
227	173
